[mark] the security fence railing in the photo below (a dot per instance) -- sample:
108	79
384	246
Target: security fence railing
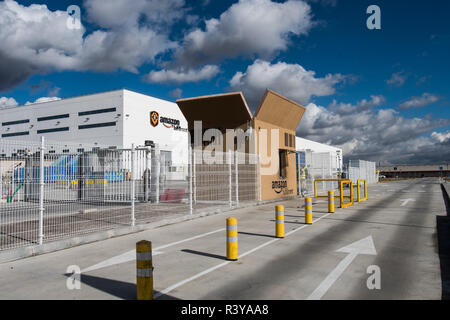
319	165
361	169
54	190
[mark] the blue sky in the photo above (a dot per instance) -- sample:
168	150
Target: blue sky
382	95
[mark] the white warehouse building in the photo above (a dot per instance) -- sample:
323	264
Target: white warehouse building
311	147
115	119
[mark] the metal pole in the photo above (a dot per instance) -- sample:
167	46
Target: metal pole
230	186
147	173
158	171
133	190
236	172
259	177
1	182
41	192
190	180
323	172
194	178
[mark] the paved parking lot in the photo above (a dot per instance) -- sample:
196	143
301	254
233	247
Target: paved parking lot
392	236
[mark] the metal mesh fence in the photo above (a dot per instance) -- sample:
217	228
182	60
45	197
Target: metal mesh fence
320	165
360	169
54	190
19	208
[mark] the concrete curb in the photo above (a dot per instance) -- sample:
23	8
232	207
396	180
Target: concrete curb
446	187
30	251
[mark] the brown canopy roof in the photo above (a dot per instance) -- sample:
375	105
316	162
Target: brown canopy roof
226	111
230	110
280	111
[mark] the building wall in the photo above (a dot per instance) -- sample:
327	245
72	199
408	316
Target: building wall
316	147
128	123
413	168
273	186
411	171
110	135
138	128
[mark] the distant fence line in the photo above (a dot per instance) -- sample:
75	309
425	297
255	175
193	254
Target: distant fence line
55	190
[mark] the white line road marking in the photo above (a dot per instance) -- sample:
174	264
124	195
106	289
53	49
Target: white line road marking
131	255
198	275
121	258
405	201
363	246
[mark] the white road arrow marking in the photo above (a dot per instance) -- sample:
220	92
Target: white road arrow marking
405	201
131	255
363	246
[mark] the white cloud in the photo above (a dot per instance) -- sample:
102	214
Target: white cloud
377	135
181	76
291	80
7	102
37	40
43	99
441	137
348	108
397	79
249	27
418	102
120	13
125	49
176	93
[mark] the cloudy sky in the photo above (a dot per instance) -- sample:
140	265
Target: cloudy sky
381	95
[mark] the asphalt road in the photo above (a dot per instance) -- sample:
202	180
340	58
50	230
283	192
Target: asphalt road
334	258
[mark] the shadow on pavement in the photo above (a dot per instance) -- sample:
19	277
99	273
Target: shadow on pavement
256	234
211	255
119	289
443	235
294	222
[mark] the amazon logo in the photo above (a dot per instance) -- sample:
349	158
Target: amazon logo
279	186
154	118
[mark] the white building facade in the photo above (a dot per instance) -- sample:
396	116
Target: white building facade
336	156
115	119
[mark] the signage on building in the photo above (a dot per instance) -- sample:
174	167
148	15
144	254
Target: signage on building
281	187
169	123
154	118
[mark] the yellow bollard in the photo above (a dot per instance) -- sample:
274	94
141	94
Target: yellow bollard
279	218
144	270
232	239
308	210
365	189
331	201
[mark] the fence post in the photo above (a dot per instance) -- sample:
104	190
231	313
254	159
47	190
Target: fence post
41	191
1	182
158	171
230	186
236	171
259	177
133	190
194	175
147	174
190	179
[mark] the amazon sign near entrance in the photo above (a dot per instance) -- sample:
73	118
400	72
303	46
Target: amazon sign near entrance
227	124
